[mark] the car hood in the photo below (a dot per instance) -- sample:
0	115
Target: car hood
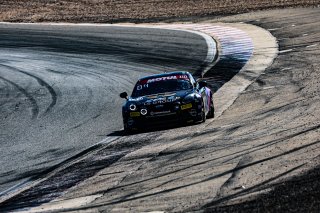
160	98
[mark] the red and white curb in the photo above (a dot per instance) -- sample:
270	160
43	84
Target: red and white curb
234	43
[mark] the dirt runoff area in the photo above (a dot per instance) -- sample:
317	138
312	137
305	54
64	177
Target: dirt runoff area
132	10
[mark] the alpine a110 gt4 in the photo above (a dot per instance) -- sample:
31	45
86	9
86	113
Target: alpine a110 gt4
167	98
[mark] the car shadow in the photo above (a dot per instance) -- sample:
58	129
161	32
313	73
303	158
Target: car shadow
150	129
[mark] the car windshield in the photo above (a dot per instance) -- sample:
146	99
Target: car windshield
149	88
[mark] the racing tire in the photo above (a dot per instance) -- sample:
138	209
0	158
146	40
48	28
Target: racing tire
202	117
126	129
211	111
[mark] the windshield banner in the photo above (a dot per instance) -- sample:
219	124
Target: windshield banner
164	78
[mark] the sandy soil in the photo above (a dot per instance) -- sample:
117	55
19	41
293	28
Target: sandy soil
129	10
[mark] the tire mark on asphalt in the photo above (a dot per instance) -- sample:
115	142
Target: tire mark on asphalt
263	185
228	172
42	83
8	98
35	107
246	159
68	177
5	93
84	122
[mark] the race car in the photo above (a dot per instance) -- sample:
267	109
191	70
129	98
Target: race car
167	98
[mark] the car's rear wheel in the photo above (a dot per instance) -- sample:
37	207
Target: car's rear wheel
203	115
211	111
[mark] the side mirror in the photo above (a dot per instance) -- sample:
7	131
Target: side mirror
202	84
124	95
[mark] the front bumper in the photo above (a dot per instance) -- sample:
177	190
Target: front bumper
167	115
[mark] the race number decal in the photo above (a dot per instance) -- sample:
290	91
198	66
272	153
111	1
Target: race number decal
140	87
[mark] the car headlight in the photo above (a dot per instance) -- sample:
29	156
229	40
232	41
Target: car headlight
143	111
188	99
132	107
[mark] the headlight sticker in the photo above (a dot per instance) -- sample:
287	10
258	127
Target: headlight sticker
186	106
134	114
133	107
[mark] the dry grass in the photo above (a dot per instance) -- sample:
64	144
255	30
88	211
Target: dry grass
134	10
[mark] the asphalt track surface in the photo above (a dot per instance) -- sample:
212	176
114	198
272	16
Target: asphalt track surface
235	50
59	86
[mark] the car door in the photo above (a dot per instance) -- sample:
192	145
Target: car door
204	92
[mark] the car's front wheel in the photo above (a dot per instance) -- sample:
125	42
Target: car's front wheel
202	117
126	128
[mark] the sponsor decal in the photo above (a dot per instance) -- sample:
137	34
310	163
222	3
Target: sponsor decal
148	102
161	100
160	113
159	106
164	78
152	96
171	99
136	99
170	94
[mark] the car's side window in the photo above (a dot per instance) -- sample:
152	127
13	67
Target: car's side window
193	82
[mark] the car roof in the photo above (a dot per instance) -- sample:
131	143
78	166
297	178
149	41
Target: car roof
165	74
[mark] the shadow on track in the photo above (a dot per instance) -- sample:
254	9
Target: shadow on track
283	197
150	129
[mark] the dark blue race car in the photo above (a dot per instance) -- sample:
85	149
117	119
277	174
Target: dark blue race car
165	99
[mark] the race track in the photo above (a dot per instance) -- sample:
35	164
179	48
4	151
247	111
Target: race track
260	153
100	79
59	86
